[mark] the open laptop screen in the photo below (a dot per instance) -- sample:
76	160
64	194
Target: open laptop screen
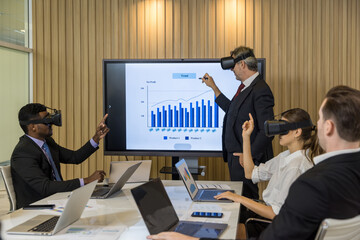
155	206
187	178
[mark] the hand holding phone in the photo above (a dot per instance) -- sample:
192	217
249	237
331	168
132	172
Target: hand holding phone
39	206
207	214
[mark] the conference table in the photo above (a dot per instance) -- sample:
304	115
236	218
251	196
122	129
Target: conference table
117	217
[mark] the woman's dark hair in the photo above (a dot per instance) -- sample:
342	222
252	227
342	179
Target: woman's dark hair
29	112
310	140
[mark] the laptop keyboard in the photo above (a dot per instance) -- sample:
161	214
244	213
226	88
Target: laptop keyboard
100	192
46	226
188	228
208	195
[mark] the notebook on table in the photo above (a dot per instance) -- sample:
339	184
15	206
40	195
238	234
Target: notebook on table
159	214
51	224
105	191
196	194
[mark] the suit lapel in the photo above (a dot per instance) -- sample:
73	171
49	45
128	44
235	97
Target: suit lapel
243	95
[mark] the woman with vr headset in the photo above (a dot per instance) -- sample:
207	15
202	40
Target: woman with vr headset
281	171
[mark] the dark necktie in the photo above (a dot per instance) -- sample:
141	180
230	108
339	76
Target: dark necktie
55	172
239	90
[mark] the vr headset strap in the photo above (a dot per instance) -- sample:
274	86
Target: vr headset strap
296	125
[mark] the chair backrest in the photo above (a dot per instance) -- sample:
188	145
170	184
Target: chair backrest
6	175
339	229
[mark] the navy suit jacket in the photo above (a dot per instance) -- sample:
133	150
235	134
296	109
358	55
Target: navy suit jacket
32	174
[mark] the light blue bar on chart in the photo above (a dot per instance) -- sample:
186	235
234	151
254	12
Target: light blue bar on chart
184	75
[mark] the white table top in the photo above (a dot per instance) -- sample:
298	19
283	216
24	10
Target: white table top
118	217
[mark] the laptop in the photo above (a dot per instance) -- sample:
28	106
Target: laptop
104	191
51	224
142	174
159	214
196	194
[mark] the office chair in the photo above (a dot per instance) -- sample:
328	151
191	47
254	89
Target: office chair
6	175
339	229
251	221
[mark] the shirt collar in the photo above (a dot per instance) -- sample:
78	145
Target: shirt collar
249	80
325	156
38	142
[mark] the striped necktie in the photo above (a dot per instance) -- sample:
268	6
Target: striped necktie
55	172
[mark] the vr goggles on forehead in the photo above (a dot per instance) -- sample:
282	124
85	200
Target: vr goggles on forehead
52	118
229	62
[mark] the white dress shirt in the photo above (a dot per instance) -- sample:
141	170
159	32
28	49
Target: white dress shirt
248	81
282	171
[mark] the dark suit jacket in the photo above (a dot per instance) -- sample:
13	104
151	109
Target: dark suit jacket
31	171
258	100
331	189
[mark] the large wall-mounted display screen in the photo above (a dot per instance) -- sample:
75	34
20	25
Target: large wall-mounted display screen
161	107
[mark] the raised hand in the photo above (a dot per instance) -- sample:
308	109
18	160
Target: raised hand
248	127
101	130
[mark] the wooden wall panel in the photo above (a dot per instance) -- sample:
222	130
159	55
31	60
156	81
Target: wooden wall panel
309	45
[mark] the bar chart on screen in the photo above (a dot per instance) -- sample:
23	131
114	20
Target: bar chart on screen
196	109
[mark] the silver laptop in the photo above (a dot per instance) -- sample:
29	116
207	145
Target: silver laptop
159	214
104	191
196	194
51	224
142	174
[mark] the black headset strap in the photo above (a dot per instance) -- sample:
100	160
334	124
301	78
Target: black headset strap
35	121
292	126
244	56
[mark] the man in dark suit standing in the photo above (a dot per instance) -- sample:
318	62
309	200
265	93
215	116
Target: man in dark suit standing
331	188
253	96
35	162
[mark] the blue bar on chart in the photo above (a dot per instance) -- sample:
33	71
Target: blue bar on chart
181	115
164	117
203	108
191	115
158	117
209	114
170	116
152	119
216	113
186	114
175	117
186	118
197	115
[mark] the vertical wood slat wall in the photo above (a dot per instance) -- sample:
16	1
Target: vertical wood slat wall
309	46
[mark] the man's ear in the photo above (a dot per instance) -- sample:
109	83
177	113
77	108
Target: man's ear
31	127
329	127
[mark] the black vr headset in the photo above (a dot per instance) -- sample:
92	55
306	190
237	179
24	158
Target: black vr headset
52	118
229	62
282	127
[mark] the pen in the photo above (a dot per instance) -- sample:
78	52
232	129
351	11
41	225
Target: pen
204	77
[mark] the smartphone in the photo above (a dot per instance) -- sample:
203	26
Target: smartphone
39	206
207	214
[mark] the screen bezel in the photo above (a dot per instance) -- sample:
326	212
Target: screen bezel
177	153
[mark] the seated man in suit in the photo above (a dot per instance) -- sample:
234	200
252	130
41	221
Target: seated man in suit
35	161
331	188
